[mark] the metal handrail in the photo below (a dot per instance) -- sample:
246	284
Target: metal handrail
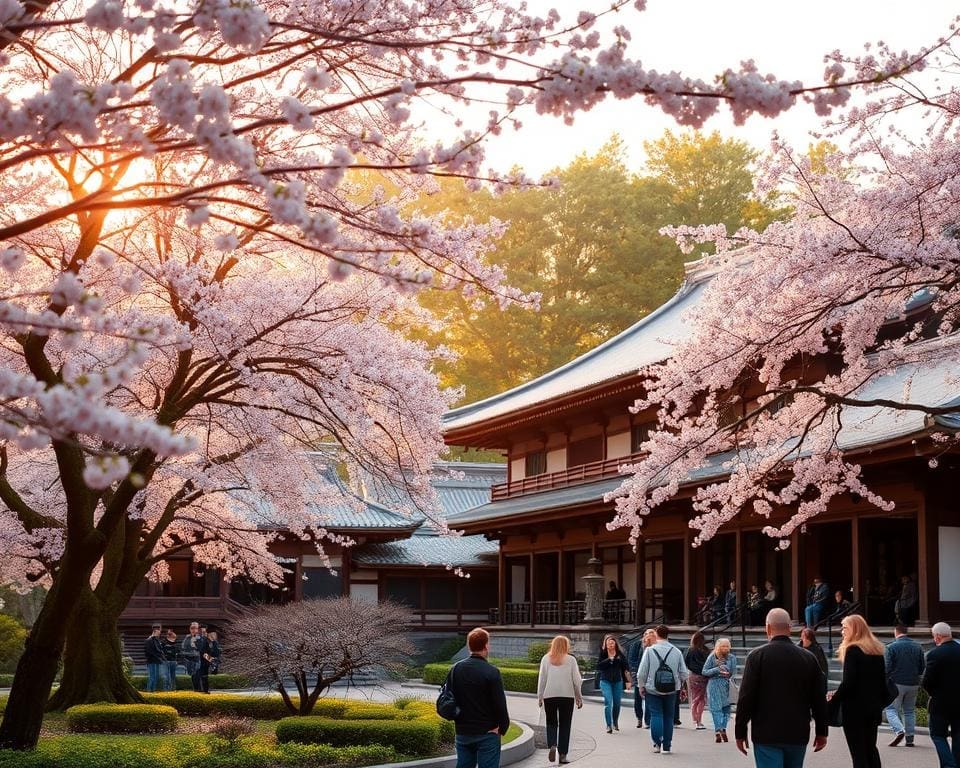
627	639
739	615
837	616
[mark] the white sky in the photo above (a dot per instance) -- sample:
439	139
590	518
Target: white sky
701	38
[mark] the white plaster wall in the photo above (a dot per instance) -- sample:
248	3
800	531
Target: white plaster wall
557	460
518	469
618	445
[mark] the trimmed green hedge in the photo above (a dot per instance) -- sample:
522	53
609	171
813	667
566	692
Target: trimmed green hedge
6	680
409	737
121	718
184	683
524	680
193	704
188	752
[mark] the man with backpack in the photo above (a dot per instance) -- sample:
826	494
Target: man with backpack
661	673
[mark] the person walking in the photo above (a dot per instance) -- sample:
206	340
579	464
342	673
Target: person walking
153	650
190	652
661	673
170	652
558	689
719	669
808	640
905	665
614	675
483	719
863	693
906	606
941	680
633	660
817	597
209	661
782	690
694	658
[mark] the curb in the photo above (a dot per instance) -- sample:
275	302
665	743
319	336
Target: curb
519	749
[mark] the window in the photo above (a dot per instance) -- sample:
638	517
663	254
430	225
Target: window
402	589
584	451
639	434
319	582
442	593
536	464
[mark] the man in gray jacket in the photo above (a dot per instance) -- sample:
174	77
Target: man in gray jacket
190	651
661	674
905	664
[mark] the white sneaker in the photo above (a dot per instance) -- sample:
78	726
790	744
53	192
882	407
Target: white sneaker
656	749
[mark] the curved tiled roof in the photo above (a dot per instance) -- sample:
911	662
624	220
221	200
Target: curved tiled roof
426	550
648	341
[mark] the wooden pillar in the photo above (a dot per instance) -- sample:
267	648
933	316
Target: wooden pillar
738	565
855	557
502	585
923	546
641	580
687	577
795	588
533	592
561	586
298	579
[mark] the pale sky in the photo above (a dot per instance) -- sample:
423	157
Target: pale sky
701	38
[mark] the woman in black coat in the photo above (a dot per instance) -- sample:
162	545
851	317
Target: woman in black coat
808	641
862	694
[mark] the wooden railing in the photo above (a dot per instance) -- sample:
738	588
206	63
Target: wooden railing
553	612
582	473
183	608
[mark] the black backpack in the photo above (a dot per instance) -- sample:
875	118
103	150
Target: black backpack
447	706
664	680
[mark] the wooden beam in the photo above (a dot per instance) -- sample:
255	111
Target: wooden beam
923	571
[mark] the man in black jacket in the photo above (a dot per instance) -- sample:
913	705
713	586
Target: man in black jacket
483	719
153	650
782	689
941	679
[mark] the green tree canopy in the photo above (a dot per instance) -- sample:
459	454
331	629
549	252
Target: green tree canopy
592	248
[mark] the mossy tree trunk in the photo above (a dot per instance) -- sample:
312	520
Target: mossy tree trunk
93	657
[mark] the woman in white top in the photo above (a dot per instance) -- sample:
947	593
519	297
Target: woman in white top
558	687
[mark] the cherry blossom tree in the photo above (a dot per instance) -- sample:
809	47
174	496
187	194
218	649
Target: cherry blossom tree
817	327
183	198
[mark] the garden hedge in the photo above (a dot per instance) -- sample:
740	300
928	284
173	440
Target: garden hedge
190	704
409	737
122	718
217	682
187	752
524	680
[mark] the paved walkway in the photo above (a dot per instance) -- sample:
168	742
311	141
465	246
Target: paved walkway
592	747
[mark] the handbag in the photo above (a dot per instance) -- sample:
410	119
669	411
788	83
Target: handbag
733	693
447	706
834	713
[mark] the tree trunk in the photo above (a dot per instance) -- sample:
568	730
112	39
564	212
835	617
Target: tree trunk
37	667
93	658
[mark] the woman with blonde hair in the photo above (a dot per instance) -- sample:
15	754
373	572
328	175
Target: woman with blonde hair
863	691
558	688
719	669
614	675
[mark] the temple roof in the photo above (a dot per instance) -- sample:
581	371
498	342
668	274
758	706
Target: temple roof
648	341
425	550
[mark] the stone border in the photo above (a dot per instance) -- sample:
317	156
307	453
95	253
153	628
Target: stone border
519	749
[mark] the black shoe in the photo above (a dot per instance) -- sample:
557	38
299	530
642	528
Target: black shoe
553	754
639	723
897	739
609	729
563	760
677	722
909	744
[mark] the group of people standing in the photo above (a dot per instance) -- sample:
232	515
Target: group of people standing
199	652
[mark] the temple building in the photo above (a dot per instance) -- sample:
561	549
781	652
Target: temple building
566	433
394	557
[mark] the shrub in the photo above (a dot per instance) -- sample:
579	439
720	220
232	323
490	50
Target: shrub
537	650
514	663
410	737
435	674
193	704
6	680
217	682
87	752
12	636
259	753
127	662
121	718
523	680
923	699
449	648
228	730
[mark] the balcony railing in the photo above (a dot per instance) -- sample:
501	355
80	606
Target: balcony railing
582	473
554	612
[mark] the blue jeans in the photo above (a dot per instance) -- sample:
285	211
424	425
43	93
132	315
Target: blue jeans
171	675
612	694
661	707
154	677
907	701
779	755
939	724
812	614
720	717
481	751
